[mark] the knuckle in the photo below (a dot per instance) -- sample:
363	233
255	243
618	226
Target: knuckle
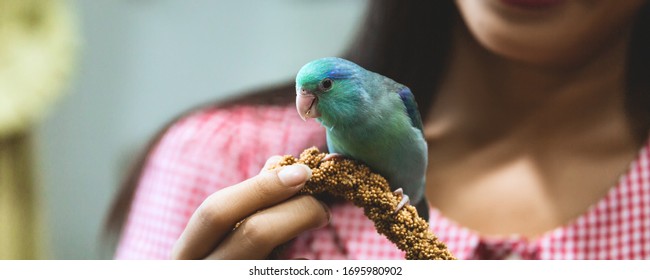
211	211
255	233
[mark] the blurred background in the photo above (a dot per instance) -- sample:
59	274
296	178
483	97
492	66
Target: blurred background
140	63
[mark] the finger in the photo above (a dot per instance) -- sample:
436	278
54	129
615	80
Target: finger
217	215
270	162
256	237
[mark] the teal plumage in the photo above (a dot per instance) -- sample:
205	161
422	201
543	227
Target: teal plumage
370	118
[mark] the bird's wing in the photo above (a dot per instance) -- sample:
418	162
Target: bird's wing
411	107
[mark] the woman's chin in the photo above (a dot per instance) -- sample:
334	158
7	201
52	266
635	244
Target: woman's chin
547	32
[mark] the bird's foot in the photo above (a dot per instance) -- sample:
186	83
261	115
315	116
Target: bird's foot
405	199
332	156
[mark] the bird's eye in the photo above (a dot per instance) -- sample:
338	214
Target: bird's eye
325	84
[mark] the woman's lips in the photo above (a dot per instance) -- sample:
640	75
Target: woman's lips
532	4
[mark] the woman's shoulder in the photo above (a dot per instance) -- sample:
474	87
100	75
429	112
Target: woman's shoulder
241	134
242	129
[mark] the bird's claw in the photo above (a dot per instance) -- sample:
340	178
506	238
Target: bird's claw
405	199
332	156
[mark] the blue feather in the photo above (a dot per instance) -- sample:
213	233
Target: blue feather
411	107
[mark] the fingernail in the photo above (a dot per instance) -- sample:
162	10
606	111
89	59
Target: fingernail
294	175
327	211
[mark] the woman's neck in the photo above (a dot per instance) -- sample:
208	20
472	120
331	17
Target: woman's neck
522	149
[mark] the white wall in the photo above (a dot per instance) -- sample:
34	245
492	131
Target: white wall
144	61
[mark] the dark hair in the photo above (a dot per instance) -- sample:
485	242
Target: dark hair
637	99
409	42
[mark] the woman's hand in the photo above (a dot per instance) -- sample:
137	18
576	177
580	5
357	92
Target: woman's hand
272	216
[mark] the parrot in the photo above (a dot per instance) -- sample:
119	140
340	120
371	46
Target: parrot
369	118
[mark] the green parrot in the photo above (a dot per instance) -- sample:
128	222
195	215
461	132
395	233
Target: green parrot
369	118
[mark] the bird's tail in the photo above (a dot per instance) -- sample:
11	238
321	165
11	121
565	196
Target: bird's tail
423	209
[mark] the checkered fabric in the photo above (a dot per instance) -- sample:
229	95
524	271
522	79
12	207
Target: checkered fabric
216	148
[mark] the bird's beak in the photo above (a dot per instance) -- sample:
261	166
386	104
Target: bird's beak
306	102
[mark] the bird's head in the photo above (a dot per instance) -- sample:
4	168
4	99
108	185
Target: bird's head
329	89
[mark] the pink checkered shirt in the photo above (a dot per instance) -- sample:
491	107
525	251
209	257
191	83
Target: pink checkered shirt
216	148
